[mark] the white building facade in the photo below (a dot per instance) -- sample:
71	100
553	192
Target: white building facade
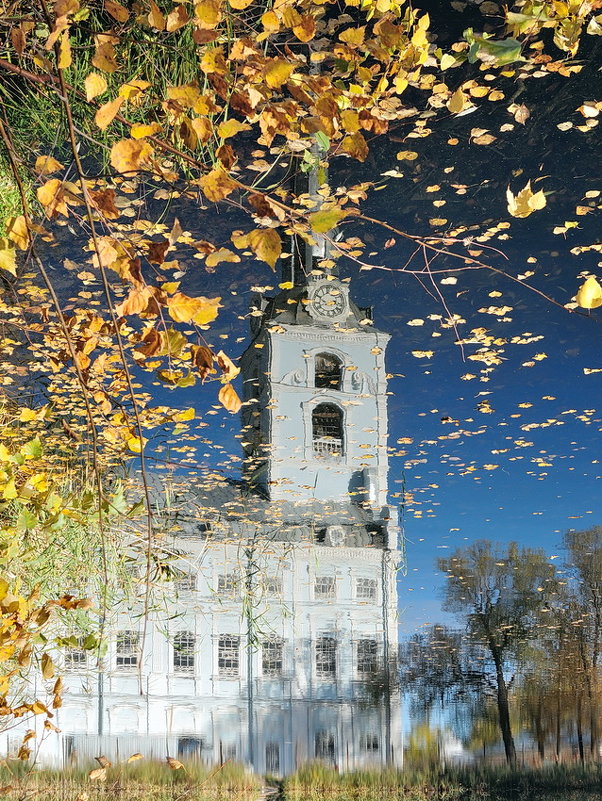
273	642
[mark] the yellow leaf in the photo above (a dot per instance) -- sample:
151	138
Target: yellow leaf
526	202
202	128
447	61
104	55
174	764
98	775
132	90
106	113
217	185
231	128
457	102
208	13
407	155
140	130
354	37
48	668
305	30
130	155
9	492
134	758
325	219
201	310
16	230
277	71
229	399
27	415
64	59
589	295
176	19
47	164
219	255
135	444
355	146
266	245
155	17
8	260
182	417
270	21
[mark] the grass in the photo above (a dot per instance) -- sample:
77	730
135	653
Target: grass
140	781
155	781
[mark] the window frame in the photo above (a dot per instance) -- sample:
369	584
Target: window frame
132	653
340	364
232	654
324	445
185	653
323	658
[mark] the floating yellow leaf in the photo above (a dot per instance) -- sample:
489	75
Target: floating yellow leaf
231	128
201	310
98	775
526	202
45	165
589	295
457	102
174	764
229	399
219	255
217	185
266	245
134	758
407	155
130	155
325	219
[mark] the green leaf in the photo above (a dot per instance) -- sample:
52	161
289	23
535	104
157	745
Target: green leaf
325	219
322	140
32	449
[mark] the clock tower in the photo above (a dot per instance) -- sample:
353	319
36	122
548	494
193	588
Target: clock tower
315	399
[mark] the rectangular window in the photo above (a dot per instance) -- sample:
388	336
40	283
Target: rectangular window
76	658
272	758
271	657
190	747
185	582
324	587
227	584
367	662
326	657
369	743
128	644
228	655
184	646
324	747
365	589
273	586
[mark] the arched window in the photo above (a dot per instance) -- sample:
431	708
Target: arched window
329	371
327	430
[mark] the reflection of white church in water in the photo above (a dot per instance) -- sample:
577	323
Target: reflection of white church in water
276	641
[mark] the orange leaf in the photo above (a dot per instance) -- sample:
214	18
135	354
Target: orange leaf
155	17
130	155
106	113
116	10
217	185
229	399
202	128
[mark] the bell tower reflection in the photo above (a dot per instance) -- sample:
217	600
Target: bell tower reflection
276	639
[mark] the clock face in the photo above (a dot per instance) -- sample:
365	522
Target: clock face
329	301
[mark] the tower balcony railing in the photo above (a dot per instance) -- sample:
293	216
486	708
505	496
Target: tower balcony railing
328	447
